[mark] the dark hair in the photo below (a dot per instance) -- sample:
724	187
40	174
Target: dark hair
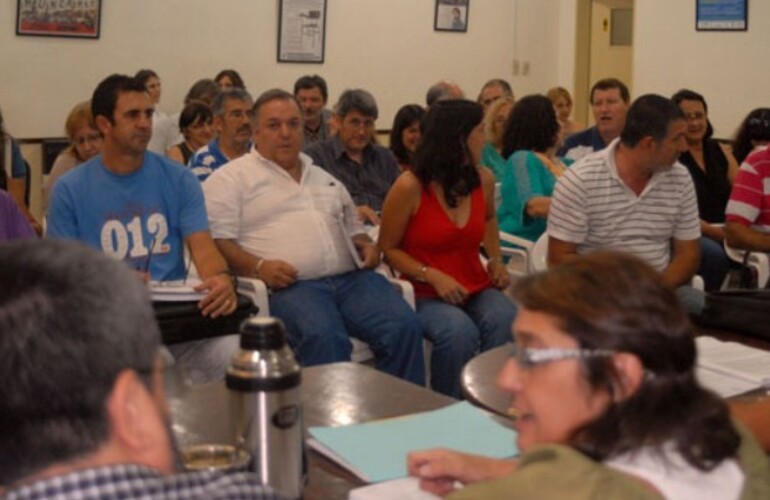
272	95
755	127
442	155
204	90
145	74
614	301
71	320
405	117
611	83
532	126
496	82
193	113
691	95
312	82
234	77
3	175
359	100
649	115
105	96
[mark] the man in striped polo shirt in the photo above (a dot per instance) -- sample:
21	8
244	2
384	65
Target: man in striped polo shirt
633	196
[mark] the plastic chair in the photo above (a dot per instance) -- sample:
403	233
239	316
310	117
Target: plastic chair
758	261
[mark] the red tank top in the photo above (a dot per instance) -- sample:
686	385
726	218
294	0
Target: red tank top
433	239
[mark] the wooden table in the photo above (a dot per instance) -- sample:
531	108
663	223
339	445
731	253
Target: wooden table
479	377
333	394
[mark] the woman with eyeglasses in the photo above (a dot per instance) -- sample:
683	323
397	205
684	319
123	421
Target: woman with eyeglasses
603	383
435	219
713	170
85	143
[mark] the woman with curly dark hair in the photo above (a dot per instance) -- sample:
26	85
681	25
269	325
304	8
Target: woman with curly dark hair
531	170
405	134
434	220
602	379
754	131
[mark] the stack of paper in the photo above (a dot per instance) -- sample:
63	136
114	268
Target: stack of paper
376	451
175	291
730	368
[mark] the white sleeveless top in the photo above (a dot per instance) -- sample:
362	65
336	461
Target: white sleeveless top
676	479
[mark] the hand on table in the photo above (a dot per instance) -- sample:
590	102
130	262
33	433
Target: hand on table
439	469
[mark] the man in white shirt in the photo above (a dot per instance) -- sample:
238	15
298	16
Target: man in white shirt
277	217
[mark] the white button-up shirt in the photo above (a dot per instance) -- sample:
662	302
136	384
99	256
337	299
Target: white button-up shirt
308	224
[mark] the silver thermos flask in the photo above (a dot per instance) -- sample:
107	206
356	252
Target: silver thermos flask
264	380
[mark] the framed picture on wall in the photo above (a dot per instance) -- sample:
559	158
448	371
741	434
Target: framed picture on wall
451	15
721	15
71	18
301	31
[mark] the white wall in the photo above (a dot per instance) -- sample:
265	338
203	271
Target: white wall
388	47
728	68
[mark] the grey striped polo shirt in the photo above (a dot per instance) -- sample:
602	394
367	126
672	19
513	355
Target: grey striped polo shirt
592	207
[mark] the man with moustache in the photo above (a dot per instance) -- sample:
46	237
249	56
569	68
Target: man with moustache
232	122
278	217
83	408
143	209
312	93
365	168
609	103
634	197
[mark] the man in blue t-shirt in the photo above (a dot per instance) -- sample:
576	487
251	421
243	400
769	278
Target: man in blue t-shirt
142	208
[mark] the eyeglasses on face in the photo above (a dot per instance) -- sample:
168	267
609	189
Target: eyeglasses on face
528	358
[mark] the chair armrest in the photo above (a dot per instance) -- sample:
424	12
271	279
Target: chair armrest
256	290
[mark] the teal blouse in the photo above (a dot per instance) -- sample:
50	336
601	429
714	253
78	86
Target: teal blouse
492	159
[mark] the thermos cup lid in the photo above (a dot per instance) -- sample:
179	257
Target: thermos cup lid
259	333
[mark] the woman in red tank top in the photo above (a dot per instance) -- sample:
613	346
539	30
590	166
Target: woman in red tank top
434	221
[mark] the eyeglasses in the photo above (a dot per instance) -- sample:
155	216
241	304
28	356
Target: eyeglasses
528	358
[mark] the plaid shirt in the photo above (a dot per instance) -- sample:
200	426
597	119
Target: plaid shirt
137	482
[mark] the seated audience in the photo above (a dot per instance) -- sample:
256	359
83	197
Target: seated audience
83	407
713	170
366	169
229	79
232	122
14	174
164	130
608	405
144	209
609	103
196	125
492	90
633	196
753	132
531	171
435	219
312	94
204	90
494	125
13	224
562	103
405	134
277	217
85	143
445	89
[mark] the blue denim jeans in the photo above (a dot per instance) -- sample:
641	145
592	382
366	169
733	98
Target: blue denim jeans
714	263
321	314
459	332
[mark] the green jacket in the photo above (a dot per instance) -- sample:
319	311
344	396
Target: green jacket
556	471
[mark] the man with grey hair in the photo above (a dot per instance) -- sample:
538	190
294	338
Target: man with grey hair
365	168
445	89
82	404
277	217
232	122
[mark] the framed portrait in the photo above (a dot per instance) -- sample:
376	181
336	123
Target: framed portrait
451	15
301	31
721	15
62	18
